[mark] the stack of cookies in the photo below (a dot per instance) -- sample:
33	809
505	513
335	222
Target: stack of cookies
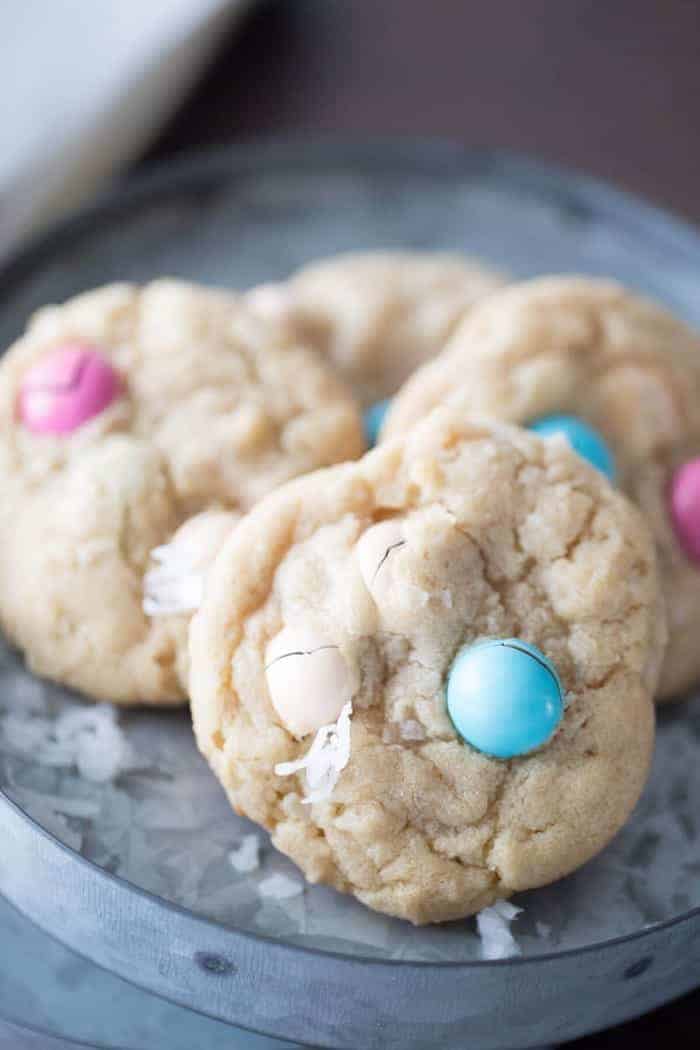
428	669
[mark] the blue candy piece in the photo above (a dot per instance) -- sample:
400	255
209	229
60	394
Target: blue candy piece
373	419
504	697
583	439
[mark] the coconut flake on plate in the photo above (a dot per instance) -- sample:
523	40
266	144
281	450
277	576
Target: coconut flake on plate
80	808
493	927
246	857
87	738
325	760
280	887
53	813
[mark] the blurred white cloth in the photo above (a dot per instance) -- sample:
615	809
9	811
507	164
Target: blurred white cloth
84	85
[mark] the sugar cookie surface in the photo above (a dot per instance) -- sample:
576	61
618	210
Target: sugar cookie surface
212	409
623	364
377	316
478	531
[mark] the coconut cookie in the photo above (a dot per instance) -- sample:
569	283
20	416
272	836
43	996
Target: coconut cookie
377	316
123	413
619	378
429	673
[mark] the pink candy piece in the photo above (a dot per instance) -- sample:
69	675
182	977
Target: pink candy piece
66	389
685	507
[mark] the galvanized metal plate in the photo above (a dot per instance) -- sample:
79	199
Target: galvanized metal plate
144	887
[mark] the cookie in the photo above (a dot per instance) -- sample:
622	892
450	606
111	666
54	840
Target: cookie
428	673
124	412
625	376
379	315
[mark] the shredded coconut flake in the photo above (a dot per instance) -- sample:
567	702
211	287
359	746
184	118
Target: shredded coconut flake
325	760
88	738
47	812
174	586
493	926
280	887
80	808
246	857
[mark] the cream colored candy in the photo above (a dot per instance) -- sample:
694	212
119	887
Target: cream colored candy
308	678
375	547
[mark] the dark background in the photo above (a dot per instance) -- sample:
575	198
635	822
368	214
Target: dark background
608	86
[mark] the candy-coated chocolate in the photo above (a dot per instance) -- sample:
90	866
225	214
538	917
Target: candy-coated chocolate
68	387
504	697
308	679
375	547
373	419
583	439
684	499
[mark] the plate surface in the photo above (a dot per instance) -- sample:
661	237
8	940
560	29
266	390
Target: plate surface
154	896
51	999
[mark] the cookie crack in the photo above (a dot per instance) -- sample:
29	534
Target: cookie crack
494	813
299	652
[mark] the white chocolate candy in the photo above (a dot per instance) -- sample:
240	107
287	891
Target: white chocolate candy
375	547
177	584
308	679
